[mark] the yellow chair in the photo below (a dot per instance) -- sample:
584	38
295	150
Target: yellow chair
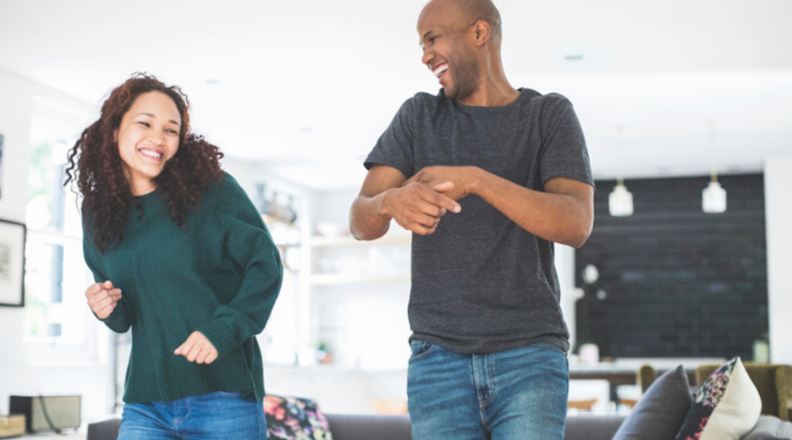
772	382
645	376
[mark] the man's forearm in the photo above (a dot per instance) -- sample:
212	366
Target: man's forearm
366	222
561	218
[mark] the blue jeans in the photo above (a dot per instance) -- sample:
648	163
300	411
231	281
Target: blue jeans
221	415
514	394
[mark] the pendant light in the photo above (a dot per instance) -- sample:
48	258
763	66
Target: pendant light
620	200
713	197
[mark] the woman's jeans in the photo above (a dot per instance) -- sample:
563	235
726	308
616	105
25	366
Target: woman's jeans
221	415
514	394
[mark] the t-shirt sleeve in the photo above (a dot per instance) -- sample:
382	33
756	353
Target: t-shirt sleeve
248	244
564	152
395	147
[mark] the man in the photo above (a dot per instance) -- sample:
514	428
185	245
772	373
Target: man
487	177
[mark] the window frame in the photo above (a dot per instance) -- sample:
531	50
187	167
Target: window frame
65	120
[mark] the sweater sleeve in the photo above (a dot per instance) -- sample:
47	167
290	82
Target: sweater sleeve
122	316
248	244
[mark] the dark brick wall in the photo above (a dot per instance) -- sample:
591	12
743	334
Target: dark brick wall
678	282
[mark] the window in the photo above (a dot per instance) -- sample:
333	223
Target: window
57	321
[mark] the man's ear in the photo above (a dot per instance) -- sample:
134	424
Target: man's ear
483	32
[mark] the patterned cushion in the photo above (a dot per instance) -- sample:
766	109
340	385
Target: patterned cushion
294	418
726	407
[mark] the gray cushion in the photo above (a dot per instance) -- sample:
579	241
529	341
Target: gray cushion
661	410
770	428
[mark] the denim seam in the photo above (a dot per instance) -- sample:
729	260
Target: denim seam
492	378
423	354
482	410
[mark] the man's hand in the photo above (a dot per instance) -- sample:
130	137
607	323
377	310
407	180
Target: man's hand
102	298
197	348
417	206
463	178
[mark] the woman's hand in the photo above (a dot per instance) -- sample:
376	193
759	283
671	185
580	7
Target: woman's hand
197	349
102	298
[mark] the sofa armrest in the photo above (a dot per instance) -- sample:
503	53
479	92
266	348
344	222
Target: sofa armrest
362	427
366	427
592	427
105	430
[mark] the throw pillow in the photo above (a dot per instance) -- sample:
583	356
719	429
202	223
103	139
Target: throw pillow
294	418
661	410
726	407
770	428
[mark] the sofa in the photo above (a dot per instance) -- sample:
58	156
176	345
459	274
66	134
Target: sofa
387	427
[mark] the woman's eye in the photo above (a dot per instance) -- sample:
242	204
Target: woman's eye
173	132
146	124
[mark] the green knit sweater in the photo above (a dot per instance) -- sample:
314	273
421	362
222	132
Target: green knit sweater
220	276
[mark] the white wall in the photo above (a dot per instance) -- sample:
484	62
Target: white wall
18	375
778	208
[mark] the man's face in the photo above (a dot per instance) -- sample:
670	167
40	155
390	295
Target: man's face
446	41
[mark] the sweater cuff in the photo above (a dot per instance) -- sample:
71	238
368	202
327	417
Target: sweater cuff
219	335
114	321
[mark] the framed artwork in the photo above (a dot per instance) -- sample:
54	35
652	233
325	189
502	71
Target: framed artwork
12	263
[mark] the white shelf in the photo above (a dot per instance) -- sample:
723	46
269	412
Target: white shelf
346	279
348	240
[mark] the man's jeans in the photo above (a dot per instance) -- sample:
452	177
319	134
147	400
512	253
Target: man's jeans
221	415
514	394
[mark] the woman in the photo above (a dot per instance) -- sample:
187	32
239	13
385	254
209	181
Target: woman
182	257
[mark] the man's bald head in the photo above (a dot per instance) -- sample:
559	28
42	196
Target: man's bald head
468	12
475	10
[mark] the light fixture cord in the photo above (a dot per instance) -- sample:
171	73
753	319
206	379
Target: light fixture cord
620	175
713	155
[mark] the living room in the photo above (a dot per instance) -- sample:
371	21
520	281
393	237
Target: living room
672	99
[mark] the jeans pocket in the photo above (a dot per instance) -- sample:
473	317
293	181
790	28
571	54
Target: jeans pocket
551	347
420	350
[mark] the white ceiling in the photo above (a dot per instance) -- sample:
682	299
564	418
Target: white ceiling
306	87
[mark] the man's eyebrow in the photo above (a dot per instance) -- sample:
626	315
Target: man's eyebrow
152	116
420	42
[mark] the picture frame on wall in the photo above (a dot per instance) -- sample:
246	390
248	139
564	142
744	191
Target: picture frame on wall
12	263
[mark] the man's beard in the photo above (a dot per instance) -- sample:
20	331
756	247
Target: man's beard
466	76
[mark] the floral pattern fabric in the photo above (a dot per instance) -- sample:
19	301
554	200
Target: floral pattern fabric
294	418
708	397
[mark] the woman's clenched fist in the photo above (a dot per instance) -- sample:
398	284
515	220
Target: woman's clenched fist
102	298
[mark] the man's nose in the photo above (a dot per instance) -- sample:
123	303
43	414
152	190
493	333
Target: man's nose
427	58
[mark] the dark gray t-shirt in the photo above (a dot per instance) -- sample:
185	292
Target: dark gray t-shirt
481	283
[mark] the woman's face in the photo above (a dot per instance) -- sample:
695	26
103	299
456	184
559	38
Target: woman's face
147	138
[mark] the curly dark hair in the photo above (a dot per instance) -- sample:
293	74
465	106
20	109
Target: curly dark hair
95	165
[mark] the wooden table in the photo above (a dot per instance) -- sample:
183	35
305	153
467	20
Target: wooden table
615	376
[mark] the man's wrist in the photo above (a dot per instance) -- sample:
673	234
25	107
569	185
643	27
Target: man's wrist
476	180
383	208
